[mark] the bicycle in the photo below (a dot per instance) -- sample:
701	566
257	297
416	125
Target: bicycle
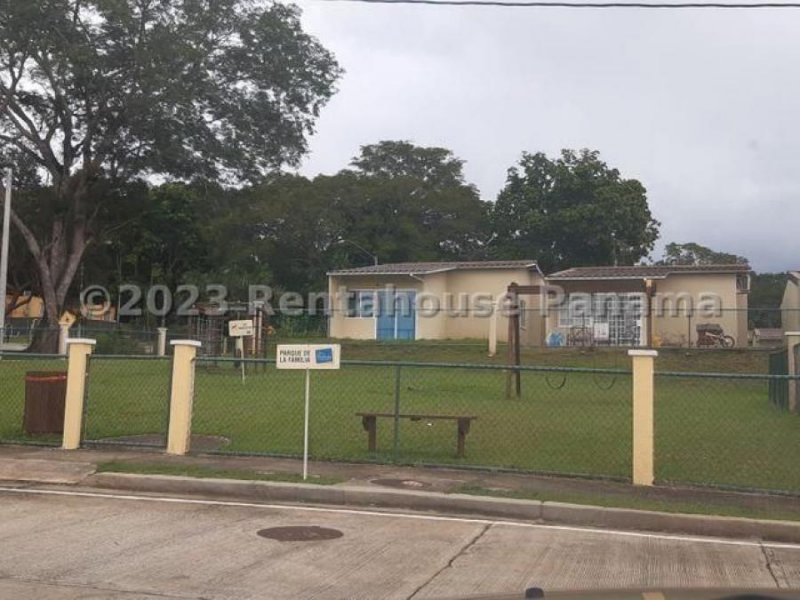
713	337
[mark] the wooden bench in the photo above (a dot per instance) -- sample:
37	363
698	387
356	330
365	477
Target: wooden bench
370	423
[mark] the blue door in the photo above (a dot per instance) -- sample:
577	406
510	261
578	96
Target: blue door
396	315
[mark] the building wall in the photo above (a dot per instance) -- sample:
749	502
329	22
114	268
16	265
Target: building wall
431	320
360	328
674	327
495	283
32	310
445	288
790	307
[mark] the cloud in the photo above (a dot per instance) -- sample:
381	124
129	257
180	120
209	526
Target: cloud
698	105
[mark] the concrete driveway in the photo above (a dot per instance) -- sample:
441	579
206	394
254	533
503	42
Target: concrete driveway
69	545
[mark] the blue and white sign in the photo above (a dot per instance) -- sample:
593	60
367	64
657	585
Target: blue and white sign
308	356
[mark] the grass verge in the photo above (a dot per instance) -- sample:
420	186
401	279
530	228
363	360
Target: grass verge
720	509
203	472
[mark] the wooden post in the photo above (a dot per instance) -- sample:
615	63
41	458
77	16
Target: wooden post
513	338
650	292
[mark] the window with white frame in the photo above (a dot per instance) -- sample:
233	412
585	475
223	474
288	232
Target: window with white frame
361	303
743	282
577	312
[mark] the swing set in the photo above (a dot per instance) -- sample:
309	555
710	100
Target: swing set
514	374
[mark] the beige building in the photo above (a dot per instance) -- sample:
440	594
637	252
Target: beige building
790	307
648	305
33	308
430	300
29	307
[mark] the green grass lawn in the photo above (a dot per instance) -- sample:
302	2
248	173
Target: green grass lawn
737	360
203	472
712	431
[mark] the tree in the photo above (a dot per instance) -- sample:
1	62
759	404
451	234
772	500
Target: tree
436	167
413	203
695	254
572	210
109	90
297	222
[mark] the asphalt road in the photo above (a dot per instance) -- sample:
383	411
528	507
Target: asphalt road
67	546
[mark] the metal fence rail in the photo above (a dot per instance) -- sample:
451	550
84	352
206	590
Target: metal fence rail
536	433
127	401
13	368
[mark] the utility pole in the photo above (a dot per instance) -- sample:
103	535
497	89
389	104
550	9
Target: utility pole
4	255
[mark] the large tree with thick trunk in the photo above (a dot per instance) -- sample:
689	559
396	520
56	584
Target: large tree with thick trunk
99	92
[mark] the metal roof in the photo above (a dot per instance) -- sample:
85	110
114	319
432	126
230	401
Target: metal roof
427	268
646	271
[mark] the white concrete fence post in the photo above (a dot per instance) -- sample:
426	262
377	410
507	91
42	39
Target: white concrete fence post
78	351
181	396
162	341
792	341
63	336
643	426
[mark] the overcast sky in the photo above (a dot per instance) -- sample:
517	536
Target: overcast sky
703	107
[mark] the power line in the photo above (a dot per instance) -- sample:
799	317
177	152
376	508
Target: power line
590	5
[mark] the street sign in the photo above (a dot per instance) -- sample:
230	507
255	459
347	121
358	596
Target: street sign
308	356
241	328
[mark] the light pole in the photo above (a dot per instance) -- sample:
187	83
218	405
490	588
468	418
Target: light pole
360	247
4	256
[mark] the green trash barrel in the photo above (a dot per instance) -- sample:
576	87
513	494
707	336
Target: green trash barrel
45	395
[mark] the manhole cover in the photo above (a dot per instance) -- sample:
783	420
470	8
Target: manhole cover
307	533
408	484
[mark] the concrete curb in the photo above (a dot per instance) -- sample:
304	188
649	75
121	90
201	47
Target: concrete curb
453	504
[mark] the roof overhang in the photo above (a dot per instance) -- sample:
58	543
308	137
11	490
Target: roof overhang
615	278
368	272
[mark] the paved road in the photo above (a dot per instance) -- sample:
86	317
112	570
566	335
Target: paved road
67	546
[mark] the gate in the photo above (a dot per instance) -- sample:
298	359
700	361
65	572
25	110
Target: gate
779	387
127	401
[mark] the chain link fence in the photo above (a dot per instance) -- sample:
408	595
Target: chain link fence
414	413
713	429
722	430
127	401
14	368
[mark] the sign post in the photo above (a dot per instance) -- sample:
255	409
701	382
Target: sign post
308	357
239	330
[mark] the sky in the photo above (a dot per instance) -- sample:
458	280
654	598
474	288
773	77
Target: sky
703	107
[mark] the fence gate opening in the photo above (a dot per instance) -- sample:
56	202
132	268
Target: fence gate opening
127	401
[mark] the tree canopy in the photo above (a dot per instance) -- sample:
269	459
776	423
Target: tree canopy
111	90
692	253
572	210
